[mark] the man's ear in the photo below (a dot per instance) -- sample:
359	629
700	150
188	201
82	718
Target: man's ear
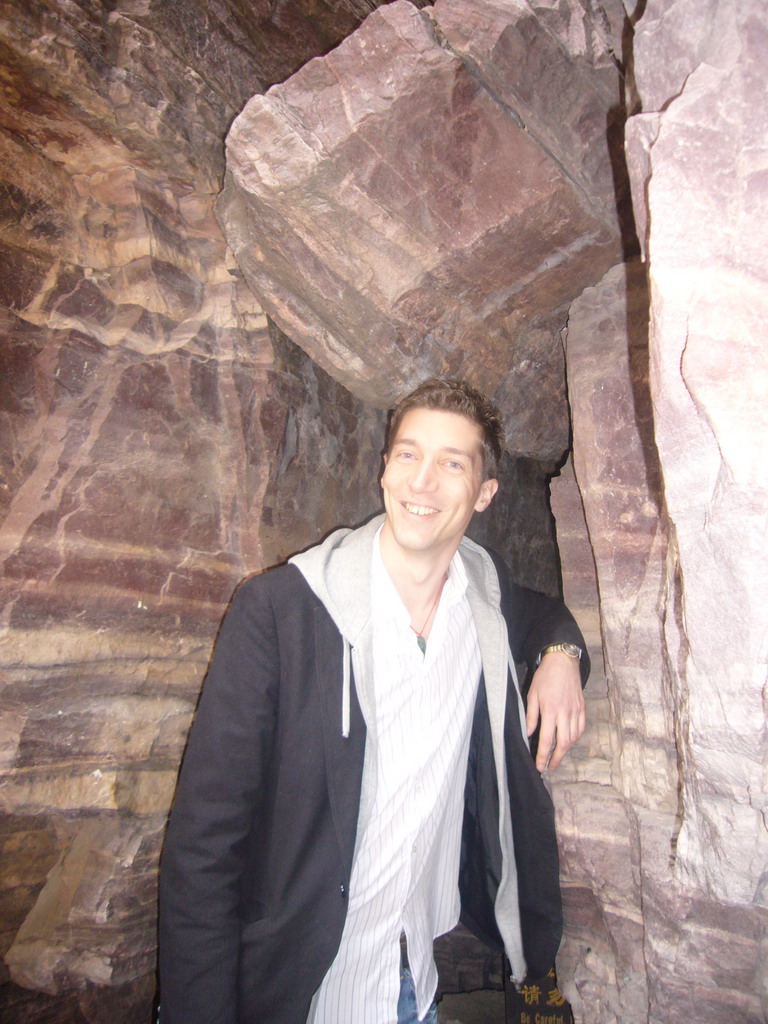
487	490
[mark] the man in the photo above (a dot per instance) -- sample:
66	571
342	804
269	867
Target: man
358	772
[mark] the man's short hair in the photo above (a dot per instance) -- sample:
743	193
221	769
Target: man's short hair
460	397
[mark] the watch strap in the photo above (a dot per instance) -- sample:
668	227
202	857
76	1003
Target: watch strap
570	649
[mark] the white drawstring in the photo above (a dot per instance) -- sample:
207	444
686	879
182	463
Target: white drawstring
520	704
345	690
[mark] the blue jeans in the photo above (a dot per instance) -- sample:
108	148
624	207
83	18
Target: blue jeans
406	1004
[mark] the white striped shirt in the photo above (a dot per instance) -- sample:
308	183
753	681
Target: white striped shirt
405	871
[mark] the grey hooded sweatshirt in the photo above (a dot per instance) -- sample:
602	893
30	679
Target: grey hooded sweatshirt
339	572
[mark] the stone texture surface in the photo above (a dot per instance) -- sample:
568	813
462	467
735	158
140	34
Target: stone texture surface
146	412
395	208
519	524
669	441
705	126
560	82
113	594
600	964
644	940
161	436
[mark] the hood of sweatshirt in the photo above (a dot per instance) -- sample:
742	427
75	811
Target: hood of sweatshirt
338	571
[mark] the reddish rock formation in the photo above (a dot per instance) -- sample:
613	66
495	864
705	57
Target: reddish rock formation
401	212
145	414
600	817
702	133
709	305
162	437
641	934
669	444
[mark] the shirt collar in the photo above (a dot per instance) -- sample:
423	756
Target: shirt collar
385	599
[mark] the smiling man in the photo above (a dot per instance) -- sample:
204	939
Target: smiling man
358	775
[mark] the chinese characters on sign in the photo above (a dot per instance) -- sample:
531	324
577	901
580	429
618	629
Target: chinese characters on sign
538	1001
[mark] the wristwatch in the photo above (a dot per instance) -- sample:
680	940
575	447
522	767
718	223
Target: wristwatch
570	649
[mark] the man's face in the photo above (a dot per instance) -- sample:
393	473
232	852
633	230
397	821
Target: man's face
433	481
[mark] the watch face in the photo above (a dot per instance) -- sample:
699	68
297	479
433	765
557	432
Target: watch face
570	649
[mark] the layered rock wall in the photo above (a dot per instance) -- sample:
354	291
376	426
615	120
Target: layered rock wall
664	865
703	132
439	194
146	412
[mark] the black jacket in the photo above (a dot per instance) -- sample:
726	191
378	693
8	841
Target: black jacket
258	856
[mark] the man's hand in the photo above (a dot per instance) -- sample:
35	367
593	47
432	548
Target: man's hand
556	697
